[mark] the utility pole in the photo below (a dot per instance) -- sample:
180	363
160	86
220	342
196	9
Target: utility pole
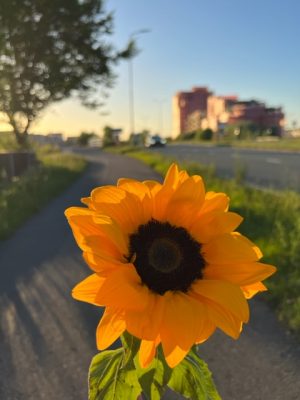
131	83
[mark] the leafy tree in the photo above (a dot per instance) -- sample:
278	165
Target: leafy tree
108	139
50	50
139	139
84	138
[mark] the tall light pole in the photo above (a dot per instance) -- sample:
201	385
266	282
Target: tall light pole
131	82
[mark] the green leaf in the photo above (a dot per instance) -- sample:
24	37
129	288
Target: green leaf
131	346
193	379
109	380
154	378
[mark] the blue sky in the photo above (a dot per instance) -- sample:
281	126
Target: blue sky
248	48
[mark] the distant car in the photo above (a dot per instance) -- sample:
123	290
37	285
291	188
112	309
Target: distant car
155	141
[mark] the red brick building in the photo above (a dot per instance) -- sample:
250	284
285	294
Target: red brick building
264	118
201	109
187	103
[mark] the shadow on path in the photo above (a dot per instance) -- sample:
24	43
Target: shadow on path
47	339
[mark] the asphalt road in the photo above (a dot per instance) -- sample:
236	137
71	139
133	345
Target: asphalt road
47	339
268	169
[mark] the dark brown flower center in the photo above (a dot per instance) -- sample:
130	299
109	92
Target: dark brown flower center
166	257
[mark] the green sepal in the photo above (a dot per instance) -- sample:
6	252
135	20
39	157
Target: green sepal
109	379
193	379
155	377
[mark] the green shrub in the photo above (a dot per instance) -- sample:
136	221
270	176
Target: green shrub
187	136
29	193
206	134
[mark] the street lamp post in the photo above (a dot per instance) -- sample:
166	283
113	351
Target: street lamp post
131	83
131	96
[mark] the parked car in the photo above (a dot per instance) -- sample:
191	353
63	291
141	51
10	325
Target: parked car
155	141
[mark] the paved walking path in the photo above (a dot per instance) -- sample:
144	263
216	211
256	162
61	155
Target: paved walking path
47	339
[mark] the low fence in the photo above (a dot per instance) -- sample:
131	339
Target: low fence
14	164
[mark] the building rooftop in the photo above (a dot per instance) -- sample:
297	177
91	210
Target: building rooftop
251	102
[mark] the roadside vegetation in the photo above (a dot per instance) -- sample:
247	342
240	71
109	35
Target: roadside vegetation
272	220
291	144
244	135
8	142
285	144
27	194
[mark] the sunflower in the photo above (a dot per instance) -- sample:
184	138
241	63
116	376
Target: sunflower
168	266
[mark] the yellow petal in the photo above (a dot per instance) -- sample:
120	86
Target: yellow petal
123	207
183	176
172	181
215	202
133	186
175	355
102	246
191	190
230	248
226	294
87	201
101	264
188	198
142	191
252	290
97	233
180	215
88	289
172	176
82	219
123	289
153	186
207	330
75	211
147	352
206	226
182	322
160	201
112	231
107	194
241	273
146	324
110	328
224	319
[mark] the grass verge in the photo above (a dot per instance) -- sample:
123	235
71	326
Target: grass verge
29	193
286	144
8	142
272	220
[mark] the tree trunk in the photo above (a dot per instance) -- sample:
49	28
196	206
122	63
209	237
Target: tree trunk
21	137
